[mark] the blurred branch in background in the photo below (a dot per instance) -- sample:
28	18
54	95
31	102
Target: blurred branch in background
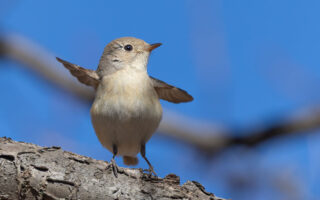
44	64
203	136
214	140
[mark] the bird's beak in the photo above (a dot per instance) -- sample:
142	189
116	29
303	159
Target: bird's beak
153	46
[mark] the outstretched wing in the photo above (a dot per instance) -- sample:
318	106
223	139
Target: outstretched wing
170	93
85	76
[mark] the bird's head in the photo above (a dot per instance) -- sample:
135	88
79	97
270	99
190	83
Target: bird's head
126	52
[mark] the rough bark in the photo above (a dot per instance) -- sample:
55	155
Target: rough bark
28	171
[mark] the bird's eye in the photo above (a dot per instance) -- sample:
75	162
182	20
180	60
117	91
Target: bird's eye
128	47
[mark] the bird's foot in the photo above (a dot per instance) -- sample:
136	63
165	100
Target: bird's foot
150	171
114	168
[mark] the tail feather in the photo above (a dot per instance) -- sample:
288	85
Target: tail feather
128	160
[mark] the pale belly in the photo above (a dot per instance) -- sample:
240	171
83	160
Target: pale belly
125	118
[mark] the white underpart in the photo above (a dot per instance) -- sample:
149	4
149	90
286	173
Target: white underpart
126	110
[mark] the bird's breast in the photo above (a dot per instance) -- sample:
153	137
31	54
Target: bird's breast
127	94
126	111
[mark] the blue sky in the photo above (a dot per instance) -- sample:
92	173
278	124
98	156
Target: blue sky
245	63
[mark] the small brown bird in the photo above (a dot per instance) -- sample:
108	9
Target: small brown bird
126	110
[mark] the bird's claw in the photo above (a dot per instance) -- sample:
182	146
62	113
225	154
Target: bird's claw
114	168
150	171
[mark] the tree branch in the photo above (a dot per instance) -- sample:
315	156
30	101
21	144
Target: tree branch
28	171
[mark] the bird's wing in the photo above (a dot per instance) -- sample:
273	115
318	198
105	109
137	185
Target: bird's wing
85	76
170	93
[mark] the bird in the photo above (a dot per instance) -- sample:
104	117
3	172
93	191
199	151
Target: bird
126	110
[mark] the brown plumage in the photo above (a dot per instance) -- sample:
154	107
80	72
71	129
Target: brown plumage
85	76
164	90
170	93
126	110
127	160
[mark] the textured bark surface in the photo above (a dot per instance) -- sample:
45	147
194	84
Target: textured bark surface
28	171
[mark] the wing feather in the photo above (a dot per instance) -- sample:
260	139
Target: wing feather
170	93
85	76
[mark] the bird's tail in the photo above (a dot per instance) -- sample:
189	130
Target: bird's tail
128	160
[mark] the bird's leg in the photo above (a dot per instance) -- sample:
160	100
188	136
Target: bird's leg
113	162
143	154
